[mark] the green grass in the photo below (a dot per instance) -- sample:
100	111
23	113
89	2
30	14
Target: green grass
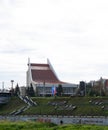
14	104
5	125
84	107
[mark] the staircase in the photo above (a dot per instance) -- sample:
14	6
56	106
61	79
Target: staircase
28	100
29	103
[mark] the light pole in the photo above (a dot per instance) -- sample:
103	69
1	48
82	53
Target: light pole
3	86
85	89
12	83
12	91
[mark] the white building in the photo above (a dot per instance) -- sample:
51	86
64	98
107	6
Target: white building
43	77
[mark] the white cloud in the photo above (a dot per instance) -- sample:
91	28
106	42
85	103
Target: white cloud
71	33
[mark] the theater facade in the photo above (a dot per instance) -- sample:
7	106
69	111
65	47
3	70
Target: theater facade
43	78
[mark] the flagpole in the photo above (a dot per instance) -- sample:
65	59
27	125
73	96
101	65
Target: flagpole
43	88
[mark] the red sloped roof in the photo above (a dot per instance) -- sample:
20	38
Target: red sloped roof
43	75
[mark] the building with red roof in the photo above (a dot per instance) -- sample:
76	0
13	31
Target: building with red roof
43	77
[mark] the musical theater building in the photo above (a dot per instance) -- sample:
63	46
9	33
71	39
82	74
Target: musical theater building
43	77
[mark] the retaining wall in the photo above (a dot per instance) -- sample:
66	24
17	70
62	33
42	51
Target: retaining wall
60	119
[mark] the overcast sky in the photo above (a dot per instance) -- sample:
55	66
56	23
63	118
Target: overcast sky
73	34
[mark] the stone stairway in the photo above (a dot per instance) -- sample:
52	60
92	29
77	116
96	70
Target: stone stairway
19	111
28	100
29	103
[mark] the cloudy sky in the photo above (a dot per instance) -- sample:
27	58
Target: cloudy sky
73	34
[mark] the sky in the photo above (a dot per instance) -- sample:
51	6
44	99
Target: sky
72	34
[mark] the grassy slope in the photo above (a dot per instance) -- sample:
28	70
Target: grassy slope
14	104
84	108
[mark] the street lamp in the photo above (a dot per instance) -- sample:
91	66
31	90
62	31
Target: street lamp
85	88
12	91
2	86
12	83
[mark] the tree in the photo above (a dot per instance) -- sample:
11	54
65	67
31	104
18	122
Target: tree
30	91
16	90
93	92
27	91
12	91
59	90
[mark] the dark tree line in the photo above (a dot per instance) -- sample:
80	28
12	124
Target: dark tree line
30	91
15	91
59	90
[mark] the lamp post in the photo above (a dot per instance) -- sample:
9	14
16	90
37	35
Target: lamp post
85	89
12	91
12	83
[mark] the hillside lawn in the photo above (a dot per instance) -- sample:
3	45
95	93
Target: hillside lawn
85	106
69	106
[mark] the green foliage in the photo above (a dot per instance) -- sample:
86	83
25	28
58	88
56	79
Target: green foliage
93	93
59	90
16	90
5	125
30	91
55	106
14	104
